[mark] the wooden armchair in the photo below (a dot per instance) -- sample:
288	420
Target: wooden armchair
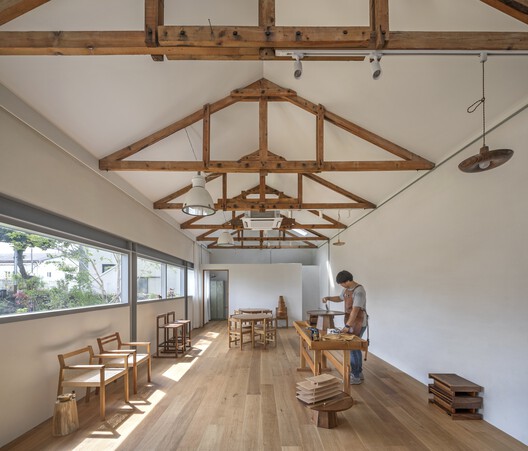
266	332
90	374
113	344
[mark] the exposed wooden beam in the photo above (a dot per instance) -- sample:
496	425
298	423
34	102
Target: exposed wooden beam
169	130
356	130
319	135
266	13
192	42
11	9
518	9
329	219
285	167
206	148
263	129
214	246
224	191
379	21
299	188
289	237
264	37
262	191
255	45
154	17
338	189
273	204
457	40
262	88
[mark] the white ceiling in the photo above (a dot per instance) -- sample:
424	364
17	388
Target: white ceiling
108	102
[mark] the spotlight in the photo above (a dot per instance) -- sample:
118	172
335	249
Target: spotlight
375	66
297	65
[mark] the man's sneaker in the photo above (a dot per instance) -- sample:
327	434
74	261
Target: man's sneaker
361	376
355	380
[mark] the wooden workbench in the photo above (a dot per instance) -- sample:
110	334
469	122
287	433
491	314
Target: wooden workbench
322	352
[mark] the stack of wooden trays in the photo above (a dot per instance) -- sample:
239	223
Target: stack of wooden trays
456	396
318	388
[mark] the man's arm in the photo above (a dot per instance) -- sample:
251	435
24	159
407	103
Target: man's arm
332	298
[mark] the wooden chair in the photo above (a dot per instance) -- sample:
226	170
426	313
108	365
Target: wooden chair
236	331
90	374
266	332
281	316
113	344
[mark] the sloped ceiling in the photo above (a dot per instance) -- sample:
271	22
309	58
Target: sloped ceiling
109	102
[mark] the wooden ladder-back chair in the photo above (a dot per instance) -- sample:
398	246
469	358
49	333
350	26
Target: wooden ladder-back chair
90	374
112	344
237	330
266	332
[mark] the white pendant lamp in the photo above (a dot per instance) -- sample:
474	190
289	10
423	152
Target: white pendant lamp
225	240
198	201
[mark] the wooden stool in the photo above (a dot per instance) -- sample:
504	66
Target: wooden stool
325	415
65	418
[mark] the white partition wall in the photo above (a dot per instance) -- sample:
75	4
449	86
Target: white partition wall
261	286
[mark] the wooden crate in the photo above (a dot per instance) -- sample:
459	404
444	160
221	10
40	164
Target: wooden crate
456	396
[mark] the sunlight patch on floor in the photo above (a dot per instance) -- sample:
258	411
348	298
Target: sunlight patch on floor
119	425
178	370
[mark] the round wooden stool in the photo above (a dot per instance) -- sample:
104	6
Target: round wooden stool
325	415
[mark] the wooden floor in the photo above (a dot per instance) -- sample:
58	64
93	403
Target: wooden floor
217	398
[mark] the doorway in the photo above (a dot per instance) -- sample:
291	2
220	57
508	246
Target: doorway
216	294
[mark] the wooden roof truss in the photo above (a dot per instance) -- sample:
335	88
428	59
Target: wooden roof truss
249	42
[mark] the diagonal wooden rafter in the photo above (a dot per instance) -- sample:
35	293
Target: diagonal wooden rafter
410	160
518	9
338	189
132	149
11	9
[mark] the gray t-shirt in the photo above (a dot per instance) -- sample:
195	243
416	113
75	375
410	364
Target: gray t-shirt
360	300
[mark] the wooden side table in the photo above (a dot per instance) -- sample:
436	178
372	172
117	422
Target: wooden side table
325	412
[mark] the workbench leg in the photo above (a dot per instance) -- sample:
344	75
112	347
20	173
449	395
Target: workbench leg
317	356
302	363
346	371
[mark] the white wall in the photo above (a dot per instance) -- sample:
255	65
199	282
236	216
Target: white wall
261	286
445	265
35	171
310	289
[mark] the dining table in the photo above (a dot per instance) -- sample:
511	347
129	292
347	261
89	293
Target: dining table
254	310
252	319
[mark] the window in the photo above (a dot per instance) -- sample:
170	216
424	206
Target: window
175	281
45	273
149	279
157	280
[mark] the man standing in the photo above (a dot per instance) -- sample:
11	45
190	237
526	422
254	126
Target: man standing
355	299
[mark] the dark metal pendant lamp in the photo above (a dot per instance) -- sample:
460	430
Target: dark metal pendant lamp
486	159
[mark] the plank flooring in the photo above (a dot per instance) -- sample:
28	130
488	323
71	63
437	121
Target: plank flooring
216	398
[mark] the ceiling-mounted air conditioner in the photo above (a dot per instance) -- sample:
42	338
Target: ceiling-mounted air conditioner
266	220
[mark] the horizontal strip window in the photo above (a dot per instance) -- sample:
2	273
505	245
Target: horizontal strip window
153	254
23	215
44	273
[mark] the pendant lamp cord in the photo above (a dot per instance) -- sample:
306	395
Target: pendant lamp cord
190	143
482	101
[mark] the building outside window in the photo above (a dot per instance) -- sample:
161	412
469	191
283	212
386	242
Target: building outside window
45	273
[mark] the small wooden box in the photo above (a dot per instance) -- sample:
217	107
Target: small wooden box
456	396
